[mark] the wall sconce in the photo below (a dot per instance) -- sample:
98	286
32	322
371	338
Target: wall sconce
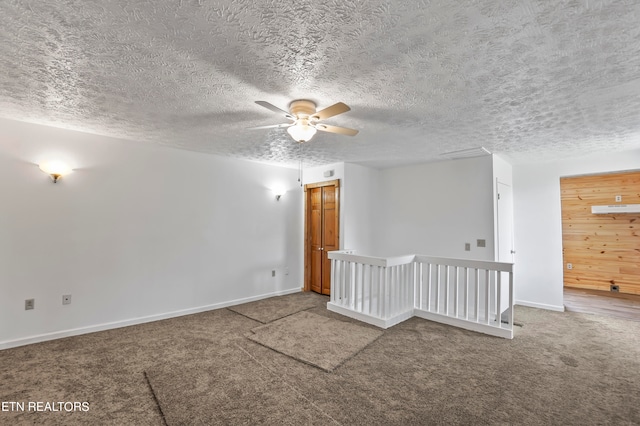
55	169
278	192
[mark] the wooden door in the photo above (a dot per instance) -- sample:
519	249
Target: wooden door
321	234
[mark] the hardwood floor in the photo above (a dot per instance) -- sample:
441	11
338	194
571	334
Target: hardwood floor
618	305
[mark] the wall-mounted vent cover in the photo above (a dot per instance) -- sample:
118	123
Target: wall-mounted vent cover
616	208
466	153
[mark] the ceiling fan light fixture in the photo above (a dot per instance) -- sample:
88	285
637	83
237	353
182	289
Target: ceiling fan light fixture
301	132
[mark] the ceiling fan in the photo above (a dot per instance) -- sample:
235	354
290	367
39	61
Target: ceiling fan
306	120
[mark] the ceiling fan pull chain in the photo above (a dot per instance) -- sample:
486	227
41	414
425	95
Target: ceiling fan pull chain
300	167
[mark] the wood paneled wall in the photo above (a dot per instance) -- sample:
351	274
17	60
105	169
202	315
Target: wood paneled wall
604	249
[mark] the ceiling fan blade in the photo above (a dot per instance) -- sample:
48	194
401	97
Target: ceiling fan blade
336	129
273	126
274	108
334	109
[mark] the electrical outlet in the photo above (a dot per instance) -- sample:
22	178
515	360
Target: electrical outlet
618	198
273	273
569	265
482	243
467	246
29	304
615	288
66	299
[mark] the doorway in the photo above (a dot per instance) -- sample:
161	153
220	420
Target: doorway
505	223
505	247
322	215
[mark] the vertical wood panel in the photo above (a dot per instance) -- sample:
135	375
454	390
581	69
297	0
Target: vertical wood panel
604	249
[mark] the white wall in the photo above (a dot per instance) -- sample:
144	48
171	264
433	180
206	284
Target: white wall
136	231
435	208
538	223
358	202
361	207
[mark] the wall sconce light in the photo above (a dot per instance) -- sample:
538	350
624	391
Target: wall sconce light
278	192
55	169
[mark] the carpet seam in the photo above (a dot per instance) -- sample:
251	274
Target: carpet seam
274	320
290	356
355	354
252	319
155	398
296	390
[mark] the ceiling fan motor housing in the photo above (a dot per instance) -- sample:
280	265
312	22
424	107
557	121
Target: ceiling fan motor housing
302	108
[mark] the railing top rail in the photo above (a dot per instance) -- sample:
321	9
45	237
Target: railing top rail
466	263
349	255
401	260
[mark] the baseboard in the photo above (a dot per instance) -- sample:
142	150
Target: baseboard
134	321
539	305
467	325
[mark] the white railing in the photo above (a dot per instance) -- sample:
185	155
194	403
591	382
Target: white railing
475	295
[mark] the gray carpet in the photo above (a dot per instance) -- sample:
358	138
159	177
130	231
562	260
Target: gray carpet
560	369
320	341
267	310
229	388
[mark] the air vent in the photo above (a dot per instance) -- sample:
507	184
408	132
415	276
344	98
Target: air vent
466	153
616	208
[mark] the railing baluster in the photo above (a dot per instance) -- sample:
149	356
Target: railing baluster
498	291
486	296
341	279
360	298
380	293
446	289
456	292
511	300
437	295
477	294
351	289
466	293
386	274
367	288
420	289
363	287
335	280
429	269
396	290
405	286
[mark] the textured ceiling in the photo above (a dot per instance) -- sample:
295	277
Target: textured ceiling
531	80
